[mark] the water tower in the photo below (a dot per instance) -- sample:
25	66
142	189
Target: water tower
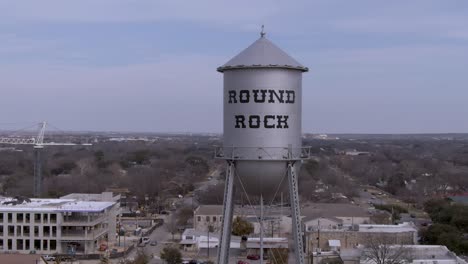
262	141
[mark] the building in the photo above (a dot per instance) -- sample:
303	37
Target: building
333	216
48	226
101	197
277	221
196	241
347	237
421	254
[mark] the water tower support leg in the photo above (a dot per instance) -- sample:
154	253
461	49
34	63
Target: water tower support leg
296	213
228	208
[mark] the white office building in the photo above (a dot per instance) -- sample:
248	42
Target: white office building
48	226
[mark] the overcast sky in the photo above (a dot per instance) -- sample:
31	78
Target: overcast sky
397	66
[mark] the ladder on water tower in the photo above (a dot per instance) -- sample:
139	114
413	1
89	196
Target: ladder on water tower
296	213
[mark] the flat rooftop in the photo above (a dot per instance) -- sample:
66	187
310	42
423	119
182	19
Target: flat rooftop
8	204
403	227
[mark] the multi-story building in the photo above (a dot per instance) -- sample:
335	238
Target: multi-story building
48	226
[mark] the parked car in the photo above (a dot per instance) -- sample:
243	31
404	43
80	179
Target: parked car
253	257
153	243
49	257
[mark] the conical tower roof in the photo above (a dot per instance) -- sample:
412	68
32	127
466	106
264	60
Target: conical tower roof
262	54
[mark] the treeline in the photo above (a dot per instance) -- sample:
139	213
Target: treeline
156	169
412	169
450	225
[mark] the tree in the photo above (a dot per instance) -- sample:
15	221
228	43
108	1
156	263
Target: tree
383	250
171	255
183	215
240	227
172	225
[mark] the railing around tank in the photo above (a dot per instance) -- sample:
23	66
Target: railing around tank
262	153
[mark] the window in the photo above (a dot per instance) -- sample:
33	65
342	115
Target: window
36	231
44	245
10	244
11	230
26	231
18	230
214	218
46	218
1	217
207	218
19	218
53	245
27	245
27	217
46	231
37	244
19	244
53	218
37	218
10	217
199	218
1	231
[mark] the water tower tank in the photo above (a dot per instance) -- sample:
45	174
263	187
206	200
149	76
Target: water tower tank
262	114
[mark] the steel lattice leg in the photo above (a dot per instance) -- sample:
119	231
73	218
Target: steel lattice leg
228	208
296	213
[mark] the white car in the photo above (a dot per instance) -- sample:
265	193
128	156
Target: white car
49	258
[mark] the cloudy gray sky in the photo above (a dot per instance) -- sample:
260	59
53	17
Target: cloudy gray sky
397	66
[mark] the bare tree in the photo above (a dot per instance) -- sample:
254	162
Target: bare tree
381	249
172	226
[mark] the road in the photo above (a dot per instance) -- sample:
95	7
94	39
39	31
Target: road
161	234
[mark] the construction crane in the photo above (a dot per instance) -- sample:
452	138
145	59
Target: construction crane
38	145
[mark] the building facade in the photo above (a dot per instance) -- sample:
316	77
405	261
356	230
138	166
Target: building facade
348	237
49	226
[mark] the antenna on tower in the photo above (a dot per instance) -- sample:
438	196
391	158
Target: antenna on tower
262	33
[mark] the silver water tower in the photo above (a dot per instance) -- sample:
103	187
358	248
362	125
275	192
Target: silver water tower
262	141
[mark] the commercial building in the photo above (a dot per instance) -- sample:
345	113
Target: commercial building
48	226
334	216
419	254
277	221
347	237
